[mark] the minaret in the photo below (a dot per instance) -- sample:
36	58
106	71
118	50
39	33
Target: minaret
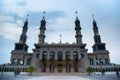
78	35
97	39
23	37
21	47
42	30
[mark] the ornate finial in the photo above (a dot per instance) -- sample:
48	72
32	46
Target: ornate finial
93	16
44	15
60	38
27	17
76	13
44	12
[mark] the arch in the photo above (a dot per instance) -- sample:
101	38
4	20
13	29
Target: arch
106	61
28	61
75	55
60	55
67	55
44	55
91	61
52	55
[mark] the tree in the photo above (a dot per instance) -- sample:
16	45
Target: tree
89	70
16	72
30	69
102	71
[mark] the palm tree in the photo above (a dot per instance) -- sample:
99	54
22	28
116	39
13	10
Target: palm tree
30	69
89	70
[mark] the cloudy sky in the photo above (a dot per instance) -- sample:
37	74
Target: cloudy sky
60	17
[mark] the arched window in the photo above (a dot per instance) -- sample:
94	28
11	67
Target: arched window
67	55
91	61
60	55
75	55
44	55
52	55
14	61
29	61
106	61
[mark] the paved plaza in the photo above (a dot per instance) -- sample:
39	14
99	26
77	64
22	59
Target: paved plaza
10	76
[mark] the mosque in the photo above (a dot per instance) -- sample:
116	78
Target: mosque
60	57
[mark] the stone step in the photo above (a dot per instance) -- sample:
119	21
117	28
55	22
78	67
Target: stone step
59	74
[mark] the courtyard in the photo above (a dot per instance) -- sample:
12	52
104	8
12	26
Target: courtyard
24	76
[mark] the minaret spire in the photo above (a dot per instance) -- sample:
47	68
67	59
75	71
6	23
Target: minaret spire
97	39
23	37
60	38
42	30
78	35
43	15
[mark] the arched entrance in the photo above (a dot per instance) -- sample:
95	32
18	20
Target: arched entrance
44	62
75	62
60	61
52	61
68	61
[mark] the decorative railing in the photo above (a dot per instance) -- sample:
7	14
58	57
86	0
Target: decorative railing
11	68
108	68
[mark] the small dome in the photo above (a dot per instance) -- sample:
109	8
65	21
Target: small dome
73	43
53	43
67	43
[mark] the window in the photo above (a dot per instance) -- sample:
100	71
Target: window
60	55
101	61
67	55
91	61
29	61
106	61
52	55
19	61
13	61
44	55
75	55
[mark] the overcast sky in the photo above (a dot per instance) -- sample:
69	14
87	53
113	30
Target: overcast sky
60	17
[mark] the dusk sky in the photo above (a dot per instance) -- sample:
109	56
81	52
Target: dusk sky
60	16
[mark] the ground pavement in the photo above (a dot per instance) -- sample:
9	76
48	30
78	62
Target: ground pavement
10	76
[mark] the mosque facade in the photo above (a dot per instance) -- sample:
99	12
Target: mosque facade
60	57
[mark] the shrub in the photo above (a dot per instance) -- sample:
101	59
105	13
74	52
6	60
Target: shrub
89	70
102	71
16	71
30	69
